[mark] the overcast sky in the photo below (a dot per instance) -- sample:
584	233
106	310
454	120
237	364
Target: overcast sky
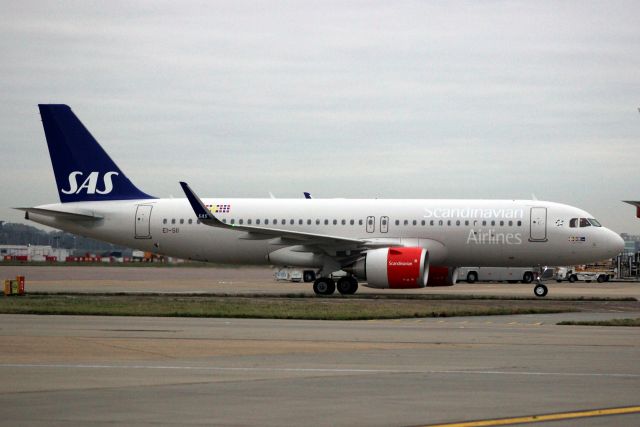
342	99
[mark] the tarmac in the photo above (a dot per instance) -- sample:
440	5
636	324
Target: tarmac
79	370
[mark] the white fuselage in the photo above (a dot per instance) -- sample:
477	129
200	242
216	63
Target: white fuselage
456	232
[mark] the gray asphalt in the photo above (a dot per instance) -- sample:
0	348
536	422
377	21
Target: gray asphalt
75	370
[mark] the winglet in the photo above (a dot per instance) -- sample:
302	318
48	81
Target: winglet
307	195
636	204
201	211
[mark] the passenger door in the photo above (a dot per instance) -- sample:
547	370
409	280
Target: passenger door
538	222
143	222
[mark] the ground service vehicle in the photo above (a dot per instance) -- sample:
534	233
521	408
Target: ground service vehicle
497	274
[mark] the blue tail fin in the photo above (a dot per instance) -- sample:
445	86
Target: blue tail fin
83	170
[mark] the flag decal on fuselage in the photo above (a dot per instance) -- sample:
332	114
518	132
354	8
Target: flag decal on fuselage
219	208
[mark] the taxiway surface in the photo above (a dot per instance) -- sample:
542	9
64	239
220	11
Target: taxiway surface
76	370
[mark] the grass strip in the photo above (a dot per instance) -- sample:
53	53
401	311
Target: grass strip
271	308
612	322
428	297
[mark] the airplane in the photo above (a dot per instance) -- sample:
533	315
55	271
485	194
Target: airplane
382	243
636	204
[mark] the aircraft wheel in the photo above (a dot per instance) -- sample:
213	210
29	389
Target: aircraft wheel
527	277
324	286
309	276
540	291
347	285
472	277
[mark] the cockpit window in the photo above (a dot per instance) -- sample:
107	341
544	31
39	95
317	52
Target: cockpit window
584	222
573	223
595	222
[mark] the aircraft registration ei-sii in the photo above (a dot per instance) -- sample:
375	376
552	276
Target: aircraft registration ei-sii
387	243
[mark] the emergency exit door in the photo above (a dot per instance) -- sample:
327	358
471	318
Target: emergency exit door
538	223
143	222
371	224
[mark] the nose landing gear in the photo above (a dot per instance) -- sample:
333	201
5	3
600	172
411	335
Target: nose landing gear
540	290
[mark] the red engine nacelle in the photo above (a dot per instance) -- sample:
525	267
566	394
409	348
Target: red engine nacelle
396	268
442	276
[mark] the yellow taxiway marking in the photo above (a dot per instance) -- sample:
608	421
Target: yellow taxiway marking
542	418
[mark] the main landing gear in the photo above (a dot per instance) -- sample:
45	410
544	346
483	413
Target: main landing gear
347	285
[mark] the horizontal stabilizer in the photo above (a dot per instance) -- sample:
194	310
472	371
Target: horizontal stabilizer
70	216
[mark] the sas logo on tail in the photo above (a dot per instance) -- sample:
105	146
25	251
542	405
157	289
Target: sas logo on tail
90	183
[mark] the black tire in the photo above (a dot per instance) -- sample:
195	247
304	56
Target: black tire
512	281
347	285
600	279
309	276
607	278
527	277
559	280
472	277
324	286
540	291
573	278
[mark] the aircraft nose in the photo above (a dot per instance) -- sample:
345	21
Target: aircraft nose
614	243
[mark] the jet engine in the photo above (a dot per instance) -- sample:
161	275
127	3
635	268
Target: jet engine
395	268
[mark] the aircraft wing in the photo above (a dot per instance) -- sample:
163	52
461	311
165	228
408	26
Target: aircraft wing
286	236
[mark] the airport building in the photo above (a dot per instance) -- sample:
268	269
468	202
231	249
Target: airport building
32	253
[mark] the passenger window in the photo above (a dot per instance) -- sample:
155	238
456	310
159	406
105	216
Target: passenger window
317	222
266	222
493	223
190	221
352	222
406	222
510	223
466	222
335	222
440	222
326	222
423	222
249	222
292	222
233	220
240	221
397	222
308	222
164	221
458	222
283	222
431	222
359	222
224	220
275	222
484	223
173	221
519	223
584	222
501	223
300	222
197	221
181	220
415	222
344	222
573	223
257	221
